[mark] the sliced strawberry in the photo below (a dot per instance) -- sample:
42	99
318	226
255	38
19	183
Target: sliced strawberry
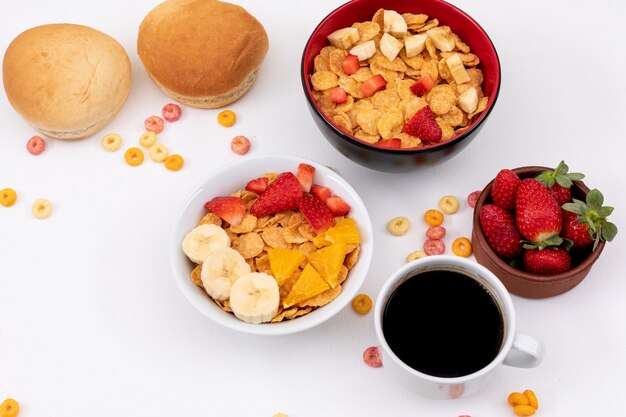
371	86
282	194
393	143
504	189
257	186
320	192
424	126
230	209
338	95
350	64
547	261
337	206
423	86
305	176
316	213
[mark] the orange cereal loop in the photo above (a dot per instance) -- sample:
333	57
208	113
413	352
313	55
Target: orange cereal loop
462	247
523	410
532	398
133	156
7	197
9	408
517	398
433	217
362	303
226	118
174	162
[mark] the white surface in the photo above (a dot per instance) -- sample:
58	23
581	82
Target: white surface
93	324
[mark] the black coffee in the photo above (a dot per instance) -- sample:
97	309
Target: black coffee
443	323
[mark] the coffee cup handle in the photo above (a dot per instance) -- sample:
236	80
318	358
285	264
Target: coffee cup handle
526	352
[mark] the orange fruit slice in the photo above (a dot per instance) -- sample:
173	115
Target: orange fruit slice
328	262
345	230
309	284
284	262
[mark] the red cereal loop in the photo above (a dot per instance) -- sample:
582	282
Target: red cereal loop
171	112
154	124
36	145
240	145
371	357
436	232
434	247
472	197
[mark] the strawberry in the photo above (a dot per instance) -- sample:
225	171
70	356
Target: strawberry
282	194
393	143
257	186
591	215
305	176
350	64
422	86
321	192
559	181
504	189
578	233
547	261
231	209
337	206
498	226
537	214
316	213
338	95
424	126
371	86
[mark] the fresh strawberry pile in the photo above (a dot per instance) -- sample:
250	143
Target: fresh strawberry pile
536	225
318	204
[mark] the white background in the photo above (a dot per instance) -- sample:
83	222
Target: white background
93	324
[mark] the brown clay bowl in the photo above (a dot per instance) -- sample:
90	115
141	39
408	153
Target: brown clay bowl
518	281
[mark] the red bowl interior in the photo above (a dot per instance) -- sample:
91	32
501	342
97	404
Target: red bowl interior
460	22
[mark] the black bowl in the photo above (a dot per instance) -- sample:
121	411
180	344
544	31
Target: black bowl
402	160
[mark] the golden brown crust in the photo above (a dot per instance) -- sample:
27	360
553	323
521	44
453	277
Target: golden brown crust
204	53
68	81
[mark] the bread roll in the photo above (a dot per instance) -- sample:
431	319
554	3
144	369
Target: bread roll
68	81
202	53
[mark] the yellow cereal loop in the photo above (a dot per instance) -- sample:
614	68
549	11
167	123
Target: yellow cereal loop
174	162
158	152
7	197
398	226
449	204
532	398
112	142
415	255
226	118
41	208
9	408
148	139
133	156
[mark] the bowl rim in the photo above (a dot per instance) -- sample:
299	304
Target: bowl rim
408	151
315	318
572	274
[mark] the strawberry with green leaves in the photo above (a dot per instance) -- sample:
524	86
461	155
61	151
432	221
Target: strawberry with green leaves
547	261
504	189
585	221
559	181
538	216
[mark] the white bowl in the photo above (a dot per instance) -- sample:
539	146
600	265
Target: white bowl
233	177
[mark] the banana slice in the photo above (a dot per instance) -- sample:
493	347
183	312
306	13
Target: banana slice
390	46
364	50
254	297
220	270
394	23
457	69
414	44
203	240
344	38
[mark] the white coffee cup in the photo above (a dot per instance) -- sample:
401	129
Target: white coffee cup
516	349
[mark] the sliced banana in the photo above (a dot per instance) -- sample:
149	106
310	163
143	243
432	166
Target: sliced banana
220	270
364	50
442	38
254	297
390	46
468	101
203	240
457	69
344	38
414	44
394	23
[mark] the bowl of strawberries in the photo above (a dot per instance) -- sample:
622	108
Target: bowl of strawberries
540	229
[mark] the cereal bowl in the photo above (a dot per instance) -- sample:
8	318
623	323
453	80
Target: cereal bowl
407	158
520	282
233	177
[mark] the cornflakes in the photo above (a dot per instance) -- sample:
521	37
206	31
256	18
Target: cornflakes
388	110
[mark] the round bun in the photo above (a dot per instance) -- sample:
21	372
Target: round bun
67	81
202	53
